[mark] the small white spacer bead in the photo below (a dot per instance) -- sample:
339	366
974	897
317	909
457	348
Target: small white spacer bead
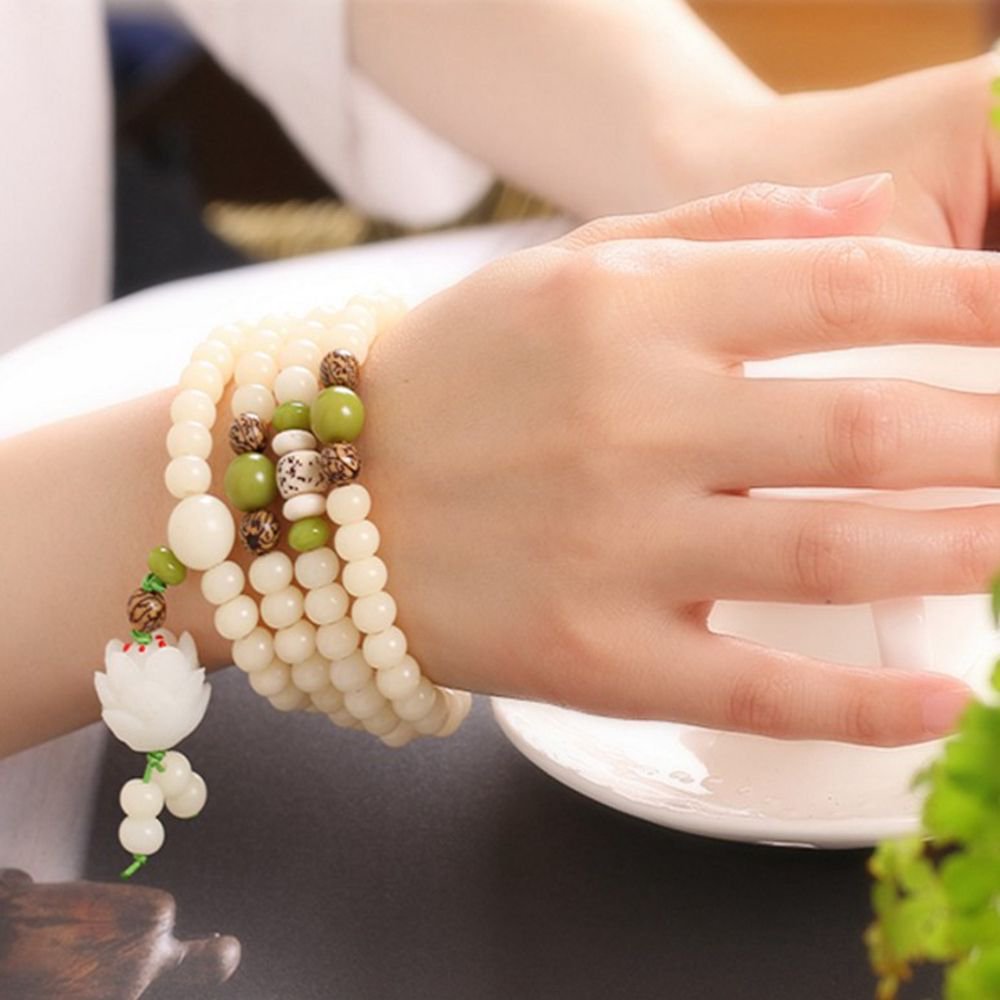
351	673
273	678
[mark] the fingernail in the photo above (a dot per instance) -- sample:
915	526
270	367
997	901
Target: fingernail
942	710
847	194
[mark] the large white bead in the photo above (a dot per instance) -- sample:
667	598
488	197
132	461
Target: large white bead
191	801
142	799
400	682
304	505
296	642
435	718
254	651
316	568
204	376
348	504
270	573
356	541
311	675
338	640
175	775
385	649
253	398
290	699
236	618
416	705
365	576
328	604
327	699
301	352
187	476
351	673
222	583
364	702
256	368
218	354
403	733
383	721
141	836
189	438
292	440
193	404
374	612
201	531
273	678
295	384
283	608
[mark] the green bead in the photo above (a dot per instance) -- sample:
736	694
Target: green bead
250	482
309	533
291	416
337	415
166	566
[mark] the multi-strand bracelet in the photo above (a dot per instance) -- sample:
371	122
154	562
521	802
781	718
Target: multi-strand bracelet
325	643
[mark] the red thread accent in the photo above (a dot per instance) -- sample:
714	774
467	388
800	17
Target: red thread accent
126	647
142	649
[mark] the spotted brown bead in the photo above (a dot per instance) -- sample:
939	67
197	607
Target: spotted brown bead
340	462
247	433
147	610
260	531
339	367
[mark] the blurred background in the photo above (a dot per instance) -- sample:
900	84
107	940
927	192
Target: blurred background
206	179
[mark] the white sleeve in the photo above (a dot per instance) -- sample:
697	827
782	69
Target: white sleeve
294	55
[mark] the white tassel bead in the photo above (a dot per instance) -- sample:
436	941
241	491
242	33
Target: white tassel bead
141	836
176	774
191	801
141	799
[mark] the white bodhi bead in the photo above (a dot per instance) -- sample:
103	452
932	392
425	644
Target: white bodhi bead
403	733
400	682
282	608
191	801
141	836
236	618
415	706
374	612
256	368
364	702
201	532
205	377
342	718
187	476
435	718
231	335
348	504
142	799
317	567
292	440
295	643
328	604
222	583
175	773
385	649
383	721
338	640
273	678
365	576
216	353
459	703
189	438
264	336
350	674
312	674
301	352
296	384
253	398
254	651
356	541
193	404
271	573
303	505
290	699
327	699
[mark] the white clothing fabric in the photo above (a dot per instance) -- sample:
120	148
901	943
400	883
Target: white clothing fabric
55	122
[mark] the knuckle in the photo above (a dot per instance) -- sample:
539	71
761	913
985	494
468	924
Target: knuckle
743	208
844	283
864	433
819	560
760	701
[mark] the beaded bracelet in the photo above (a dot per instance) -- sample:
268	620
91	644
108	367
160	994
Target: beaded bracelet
153	692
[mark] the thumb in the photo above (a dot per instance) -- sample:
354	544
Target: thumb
855	207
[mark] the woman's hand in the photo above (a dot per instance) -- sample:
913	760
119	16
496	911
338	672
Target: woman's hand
560	448
930	129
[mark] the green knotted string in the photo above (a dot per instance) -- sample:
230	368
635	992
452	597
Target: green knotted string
154	762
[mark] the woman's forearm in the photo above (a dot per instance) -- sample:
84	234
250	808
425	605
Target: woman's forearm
82	503
590	103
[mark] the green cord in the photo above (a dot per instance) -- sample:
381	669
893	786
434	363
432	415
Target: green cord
152	583
154	762
138	860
